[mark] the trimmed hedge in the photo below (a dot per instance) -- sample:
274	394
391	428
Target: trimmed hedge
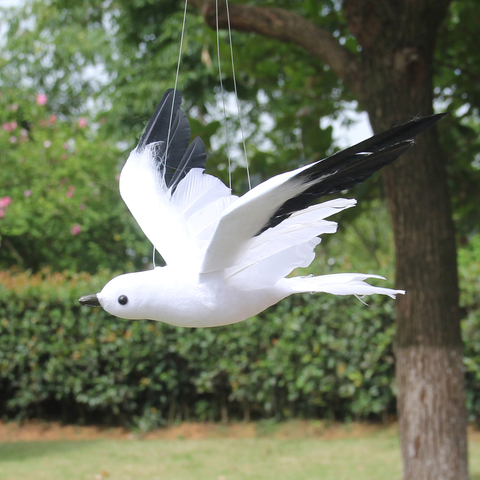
310	356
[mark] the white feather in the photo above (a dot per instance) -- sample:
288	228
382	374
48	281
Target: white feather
268	271
197	190
246	217
148	199
340	284
289	243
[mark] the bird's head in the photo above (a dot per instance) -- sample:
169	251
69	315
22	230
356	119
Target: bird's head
124	296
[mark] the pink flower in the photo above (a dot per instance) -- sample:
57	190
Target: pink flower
13	107
23	132
41	99
47	143
5	202
9	126
82	122
13	139
27	193
52	119
76	229
71	189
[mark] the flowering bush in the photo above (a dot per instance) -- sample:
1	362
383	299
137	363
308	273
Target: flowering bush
4	203
59	202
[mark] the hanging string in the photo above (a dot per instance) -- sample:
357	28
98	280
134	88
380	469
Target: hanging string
173	100
240	119
223	99
176	78
239	113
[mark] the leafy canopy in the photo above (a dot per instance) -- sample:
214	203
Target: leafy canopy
110	62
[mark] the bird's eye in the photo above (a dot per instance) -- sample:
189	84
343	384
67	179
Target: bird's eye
122	299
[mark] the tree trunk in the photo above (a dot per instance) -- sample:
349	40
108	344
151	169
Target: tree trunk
429	351
392	79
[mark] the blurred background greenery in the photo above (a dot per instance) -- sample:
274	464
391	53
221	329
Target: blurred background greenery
79	81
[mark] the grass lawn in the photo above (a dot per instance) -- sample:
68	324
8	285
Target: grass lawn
373	454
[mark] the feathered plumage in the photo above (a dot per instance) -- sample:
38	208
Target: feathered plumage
228	257
169	146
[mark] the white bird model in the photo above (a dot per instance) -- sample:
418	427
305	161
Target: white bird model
228	257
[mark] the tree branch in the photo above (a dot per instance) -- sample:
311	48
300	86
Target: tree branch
289	27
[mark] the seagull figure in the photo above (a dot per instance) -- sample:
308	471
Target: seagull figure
228	257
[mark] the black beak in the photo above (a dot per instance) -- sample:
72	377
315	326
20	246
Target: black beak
90	300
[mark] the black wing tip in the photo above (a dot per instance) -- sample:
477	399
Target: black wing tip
169	124
425	122
349	167
176	93
198	143
440	115
172	98
402	131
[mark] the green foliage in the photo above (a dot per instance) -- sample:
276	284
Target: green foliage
457	90
115	59
132	47
469	268
61	179
112	61
305	358
308	357
109	62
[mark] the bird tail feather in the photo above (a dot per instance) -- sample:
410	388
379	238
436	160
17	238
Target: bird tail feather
340	284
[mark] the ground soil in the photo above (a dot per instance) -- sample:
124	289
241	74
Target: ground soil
37	430
51	431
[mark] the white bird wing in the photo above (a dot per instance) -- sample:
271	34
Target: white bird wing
201	199
192	218
173	202
279	250
272	202
245	218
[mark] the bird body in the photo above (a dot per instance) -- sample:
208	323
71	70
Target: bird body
227	257
187	299
184	298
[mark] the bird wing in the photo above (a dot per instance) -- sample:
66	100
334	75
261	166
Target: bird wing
289	245
274	201
164	187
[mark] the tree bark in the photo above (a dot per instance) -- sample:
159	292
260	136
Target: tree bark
392	79
429	350
398	58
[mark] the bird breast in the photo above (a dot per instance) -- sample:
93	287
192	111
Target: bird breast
187	299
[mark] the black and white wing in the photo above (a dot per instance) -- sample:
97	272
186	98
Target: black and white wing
270	228
164	186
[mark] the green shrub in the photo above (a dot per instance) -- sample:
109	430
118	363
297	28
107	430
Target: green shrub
309	356
469	269
60	178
